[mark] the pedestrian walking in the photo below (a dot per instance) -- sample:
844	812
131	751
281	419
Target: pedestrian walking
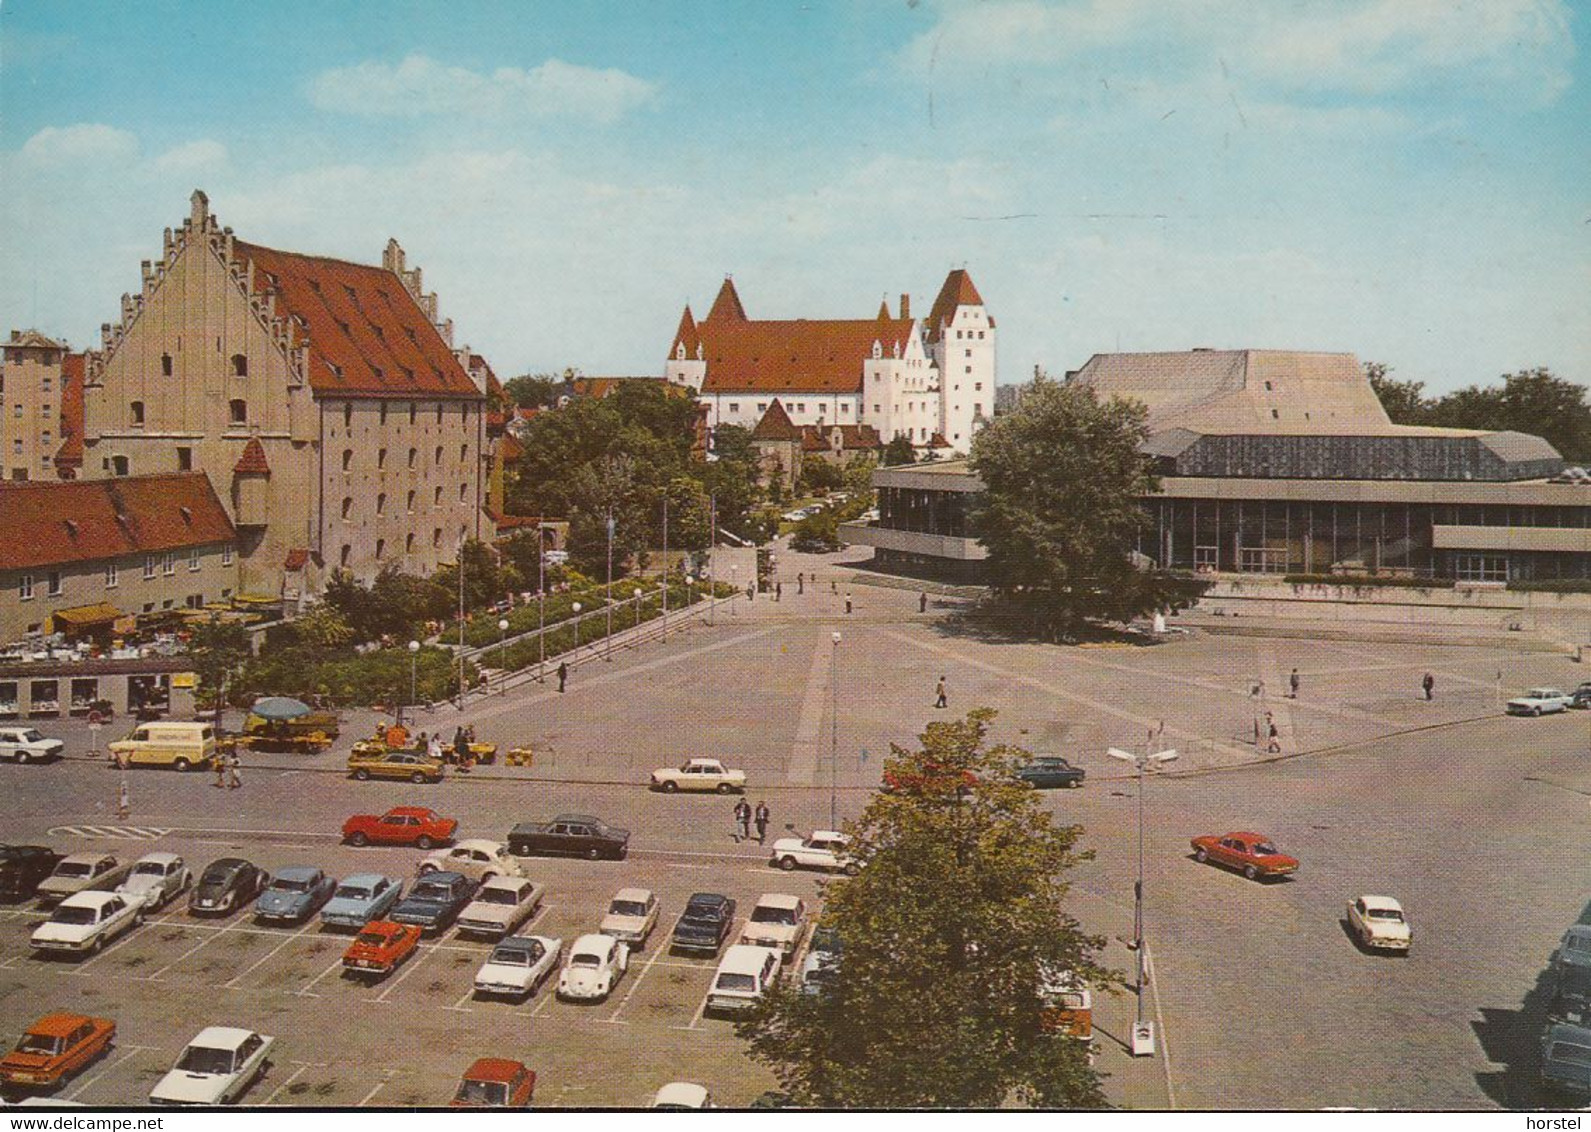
751	591
743	821
801	584
218	764
563	674
1428	682
847	603
234	767
778	591
922	602
461	747
1292	685
124	803
940	698
834	586
1275	745
762	816
434	748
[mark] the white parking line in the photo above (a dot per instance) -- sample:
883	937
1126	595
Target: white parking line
232	983
305	992
82	968
409	968
291	1077
368	1097
658	951
548	993
132	1051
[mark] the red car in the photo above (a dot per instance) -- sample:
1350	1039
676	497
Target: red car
56	1047
1252	854
495	1082
401	825
918	776
379	947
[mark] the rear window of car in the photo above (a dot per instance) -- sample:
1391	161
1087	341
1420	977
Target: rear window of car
729	981
1571	1052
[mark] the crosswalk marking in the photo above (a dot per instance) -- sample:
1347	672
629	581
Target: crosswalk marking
111	832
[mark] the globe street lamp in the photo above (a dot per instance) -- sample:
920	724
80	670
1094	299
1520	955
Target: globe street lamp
834	730
576	607
1143	1033
502	654
414	659
690	592
637	594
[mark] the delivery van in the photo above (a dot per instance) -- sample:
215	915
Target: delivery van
180	746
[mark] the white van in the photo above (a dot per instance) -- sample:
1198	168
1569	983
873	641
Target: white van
744	975
180	746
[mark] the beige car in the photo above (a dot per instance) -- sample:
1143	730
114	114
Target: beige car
179	746
631	917
701	775
778	921
476	858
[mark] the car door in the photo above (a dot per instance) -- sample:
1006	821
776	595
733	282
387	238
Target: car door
8	744
581	839
1356	915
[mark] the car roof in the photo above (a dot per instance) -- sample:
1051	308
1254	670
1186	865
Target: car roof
1385	902
221	1037
227	863
586	818
745	958
704	759
85	858
162	857
777	900
412	811
363	878
641	894
520	942
681	1093
58	1025
297	872
87	899
496	1069
709	899
447	875
480	843
828	834
506	882
593	941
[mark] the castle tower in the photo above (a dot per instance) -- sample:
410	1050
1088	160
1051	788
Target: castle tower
961	341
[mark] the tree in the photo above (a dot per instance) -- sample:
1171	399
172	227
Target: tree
1531	401
733	442
323	628
483	580
534	391
217	650
820	476
1404	401
947	934
899	450
818	533
1059	514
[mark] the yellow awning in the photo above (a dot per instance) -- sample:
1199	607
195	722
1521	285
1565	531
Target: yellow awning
84	615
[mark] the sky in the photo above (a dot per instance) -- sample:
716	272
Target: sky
1406	180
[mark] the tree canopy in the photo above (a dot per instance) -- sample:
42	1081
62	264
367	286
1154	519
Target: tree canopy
947	936
1532	401
1063	475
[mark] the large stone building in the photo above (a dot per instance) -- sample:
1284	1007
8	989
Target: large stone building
890	372
323	398
1284	462
41	408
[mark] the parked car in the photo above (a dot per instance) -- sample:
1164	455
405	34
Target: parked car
570	835
822	960
1539	701
1566	1059
401	825
1379	922
1068	1006
1251	854
500	906
434	901
476	858
705	924
180	745
555	557
86	921
778	921
596	964
705	775
217	1068
80	872
379	947
55	1049
295	894
1046	771
360	899
631	916
518	966
22	867
26	745
413	766
1569	978
825	849
495	1082
1581	697
682	1095
156	879
745	974
226	885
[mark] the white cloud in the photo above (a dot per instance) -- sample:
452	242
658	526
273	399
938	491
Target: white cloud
201	156
420	85
84	143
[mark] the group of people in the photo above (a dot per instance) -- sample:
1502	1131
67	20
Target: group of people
456	754
745	817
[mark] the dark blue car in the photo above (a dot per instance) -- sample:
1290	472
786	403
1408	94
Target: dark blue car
1046	771
435	901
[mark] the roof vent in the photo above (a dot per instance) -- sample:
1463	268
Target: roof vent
71	527
187	514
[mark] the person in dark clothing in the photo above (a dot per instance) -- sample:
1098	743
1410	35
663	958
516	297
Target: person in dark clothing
1428	682
922	602
940	697
847	603
778	591
461	747
563	674
761	818
743	820
1292	685
801	583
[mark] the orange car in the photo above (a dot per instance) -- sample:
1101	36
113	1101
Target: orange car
495	1082
1251	854
379	947
56	1047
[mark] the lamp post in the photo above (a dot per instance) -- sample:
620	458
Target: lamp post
734	584
1143	1035
576	607
834	730
712	546
414	660
690	592
637	594
541	603
502	654
607	653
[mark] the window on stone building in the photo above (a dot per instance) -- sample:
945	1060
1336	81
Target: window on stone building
436	499
348	415
734	406
25	586
348	506
411	503
165	365
112	580
348	458
52	583
226	556
149	566
381	503
240	365
381	459
185	459
193	559
436	537
463	490
408	544
383	404
136	408
439	414
119	466
1276	415
977	386
414	454
168	563
381	548
762	406
464	453
438	455
195	601
346	556
414	410
239	410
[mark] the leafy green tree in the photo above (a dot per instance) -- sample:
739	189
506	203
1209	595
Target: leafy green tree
534	391
1063	475
323	628
733	442
1404	401
859	474
483	578
1531	401
899	450
217	650
954	924
819	476
817	534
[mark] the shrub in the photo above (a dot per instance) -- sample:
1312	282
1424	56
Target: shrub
1554	586
1362	580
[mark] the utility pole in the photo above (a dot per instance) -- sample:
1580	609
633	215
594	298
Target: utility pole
665	564
461	620
834	730
712	553
607	652
1143	1034
541	602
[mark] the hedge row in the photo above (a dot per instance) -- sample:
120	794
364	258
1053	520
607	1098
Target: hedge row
1360	580
561	638
1554	586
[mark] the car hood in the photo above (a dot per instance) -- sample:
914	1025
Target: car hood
614	922
788	844
53	932
703	928
275	900
191	1088
24	1062
346	906
771	931
63	884
489	913
502	973
419	906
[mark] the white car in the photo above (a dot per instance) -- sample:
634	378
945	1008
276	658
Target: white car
518	966
825	849
86	921
26	745
1540	701
476	858
682	1095
778	921
596	964
1379	922
707	775
499	906
155	879
217	1067
631	917
744	975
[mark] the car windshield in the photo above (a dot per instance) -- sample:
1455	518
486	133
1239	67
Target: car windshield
74	916
483	1092
150	869
766	915
217	874
1580	944
203	1059
353	892
290	884
701	913
74	869
514	956
1391	915
1570	1052
1265	849
585	959
41	1043
509	896
432	890
627	908
31	736
733	982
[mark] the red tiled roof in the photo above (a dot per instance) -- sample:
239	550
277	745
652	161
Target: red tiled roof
958	291
297	559
686	335
70	453
252	462
86	520
937	440
367	335
803	355
815	438
775	425
727	305
510	448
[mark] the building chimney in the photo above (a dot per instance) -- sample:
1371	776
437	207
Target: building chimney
905	306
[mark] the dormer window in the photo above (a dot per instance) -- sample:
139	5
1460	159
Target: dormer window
878	349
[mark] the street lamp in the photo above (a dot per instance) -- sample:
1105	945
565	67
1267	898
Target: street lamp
637	594
414	660
576	607
1143	1033
834	729
690	592
502	654
734	585
607	653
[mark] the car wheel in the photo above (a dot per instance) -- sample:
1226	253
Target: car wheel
23	758
417	778
181	765
424	842
787	863
358	840
1537	712
1251	872
725	788
670	787
593	853
852	869
362	775
1201	856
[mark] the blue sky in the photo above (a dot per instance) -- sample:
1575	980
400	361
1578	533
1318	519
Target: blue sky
1403	179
